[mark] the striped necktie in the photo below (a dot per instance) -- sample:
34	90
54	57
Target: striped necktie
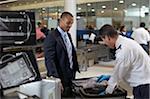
69	49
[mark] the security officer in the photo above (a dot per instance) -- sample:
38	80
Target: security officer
132	63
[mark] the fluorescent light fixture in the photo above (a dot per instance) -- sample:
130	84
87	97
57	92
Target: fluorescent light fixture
102	11
92	9
121	1
134	4
143	7
7	1
79	8
103	6
78	17
89	4
115	9
59	10
43	11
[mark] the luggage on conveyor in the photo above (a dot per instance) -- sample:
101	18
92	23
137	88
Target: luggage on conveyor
90	88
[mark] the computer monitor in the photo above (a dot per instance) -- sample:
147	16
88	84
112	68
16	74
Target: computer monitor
85	36
16	71
17	28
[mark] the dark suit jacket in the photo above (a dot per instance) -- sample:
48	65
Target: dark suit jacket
56	58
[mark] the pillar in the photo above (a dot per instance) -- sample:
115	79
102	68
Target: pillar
70	6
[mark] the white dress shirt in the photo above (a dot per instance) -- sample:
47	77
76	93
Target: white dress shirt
141	35
68	45
132	64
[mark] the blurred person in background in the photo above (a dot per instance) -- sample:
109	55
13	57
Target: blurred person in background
40	36
142	36
45	30
122	30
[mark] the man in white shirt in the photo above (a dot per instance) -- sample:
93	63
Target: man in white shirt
132	63
142	36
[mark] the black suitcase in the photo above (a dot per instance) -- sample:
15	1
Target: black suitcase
81	92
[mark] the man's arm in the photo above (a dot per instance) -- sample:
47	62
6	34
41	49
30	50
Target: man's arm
121	68
50	58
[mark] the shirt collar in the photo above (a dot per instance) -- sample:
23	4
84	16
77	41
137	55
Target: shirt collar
61	31
118	42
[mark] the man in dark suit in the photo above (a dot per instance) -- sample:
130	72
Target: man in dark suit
60	55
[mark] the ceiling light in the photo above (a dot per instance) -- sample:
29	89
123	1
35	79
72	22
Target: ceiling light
133	4
102	11
143	7
79	8
78	17
43	8
88	4
7	1
43	11
103	6
115	9
92	9
121	1
59	10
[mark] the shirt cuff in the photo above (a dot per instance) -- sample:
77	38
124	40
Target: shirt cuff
110	89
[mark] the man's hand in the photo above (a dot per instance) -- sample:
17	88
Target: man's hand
62	88
109	90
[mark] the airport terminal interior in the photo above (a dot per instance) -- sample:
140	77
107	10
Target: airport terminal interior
20	44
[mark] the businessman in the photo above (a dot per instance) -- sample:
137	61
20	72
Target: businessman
60	55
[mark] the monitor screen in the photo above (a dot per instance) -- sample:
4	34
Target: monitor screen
85	36
15	72
17	28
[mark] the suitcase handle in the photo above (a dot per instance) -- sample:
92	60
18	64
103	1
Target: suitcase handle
3	57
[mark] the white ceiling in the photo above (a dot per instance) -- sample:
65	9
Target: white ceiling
96	4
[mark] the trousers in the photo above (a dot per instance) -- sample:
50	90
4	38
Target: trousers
142	91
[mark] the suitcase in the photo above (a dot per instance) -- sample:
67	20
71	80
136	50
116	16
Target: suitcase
16	70
44	89
83	91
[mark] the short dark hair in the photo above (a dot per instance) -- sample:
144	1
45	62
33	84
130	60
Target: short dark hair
107	30
122	27
142	24
39	23
64	14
